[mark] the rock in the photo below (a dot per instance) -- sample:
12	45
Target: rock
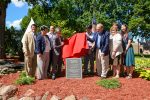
45	96
27	98
38	98
7	67
7	70
4	70
29	93
3	62
13	98
8	91
54	97
71	97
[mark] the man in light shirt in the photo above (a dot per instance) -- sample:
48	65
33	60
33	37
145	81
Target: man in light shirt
101	38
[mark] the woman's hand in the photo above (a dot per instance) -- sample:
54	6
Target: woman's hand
40	55
113	54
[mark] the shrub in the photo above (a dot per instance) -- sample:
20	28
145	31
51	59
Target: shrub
142	63
109	83
145	74
24	79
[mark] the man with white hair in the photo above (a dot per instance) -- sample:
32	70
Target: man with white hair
101	39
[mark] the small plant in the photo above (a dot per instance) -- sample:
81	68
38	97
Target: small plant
142	62
145	74
24	79
109	83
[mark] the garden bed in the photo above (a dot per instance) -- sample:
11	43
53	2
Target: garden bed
132	89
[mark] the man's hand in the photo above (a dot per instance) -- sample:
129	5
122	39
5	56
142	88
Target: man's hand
62	43
40	55
102	55
25	54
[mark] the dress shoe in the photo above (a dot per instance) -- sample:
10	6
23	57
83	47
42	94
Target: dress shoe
53	77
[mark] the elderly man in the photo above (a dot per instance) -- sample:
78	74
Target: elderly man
28	42
101	38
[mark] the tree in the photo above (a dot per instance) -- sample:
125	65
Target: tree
12	40
3	7
140	20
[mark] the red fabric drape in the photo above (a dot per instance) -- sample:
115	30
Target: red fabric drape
75	46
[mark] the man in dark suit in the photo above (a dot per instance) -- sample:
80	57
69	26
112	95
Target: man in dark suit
89	57
101	38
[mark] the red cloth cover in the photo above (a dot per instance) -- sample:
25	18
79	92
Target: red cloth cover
75	46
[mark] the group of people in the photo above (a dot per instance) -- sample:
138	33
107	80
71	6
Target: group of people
43	52
113	48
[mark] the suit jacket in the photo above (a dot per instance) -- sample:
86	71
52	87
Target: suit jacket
58	41
40	43
104	42
28	43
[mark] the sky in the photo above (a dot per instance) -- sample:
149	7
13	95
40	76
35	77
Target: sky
15	12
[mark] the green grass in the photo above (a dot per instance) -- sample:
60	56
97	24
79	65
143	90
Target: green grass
109	83
24	79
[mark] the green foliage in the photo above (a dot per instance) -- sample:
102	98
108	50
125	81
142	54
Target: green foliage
12	41
140	18
24	79
142	62
141	65
5	2
78	13
109	83
145	74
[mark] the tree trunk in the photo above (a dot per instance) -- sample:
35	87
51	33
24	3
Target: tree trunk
2	29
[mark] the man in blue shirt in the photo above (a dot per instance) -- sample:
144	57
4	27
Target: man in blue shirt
101	38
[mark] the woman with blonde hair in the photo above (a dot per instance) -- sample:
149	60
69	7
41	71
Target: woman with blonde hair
115	50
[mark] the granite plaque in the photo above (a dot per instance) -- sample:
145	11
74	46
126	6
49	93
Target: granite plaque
73	68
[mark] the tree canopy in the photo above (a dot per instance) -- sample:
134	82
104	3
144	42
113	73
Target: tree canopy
74	15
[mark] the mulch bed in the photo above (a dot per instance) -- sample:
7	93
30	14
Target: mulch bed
131	89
